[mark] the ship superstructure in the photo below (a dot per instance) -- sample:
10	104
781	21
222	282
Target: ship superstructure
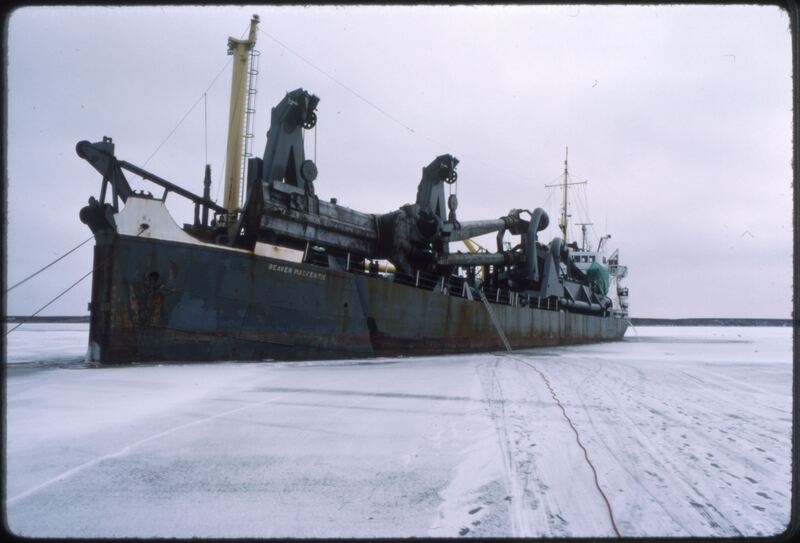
605	272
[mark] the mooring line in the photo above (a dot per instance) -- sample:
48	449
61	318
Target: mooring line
495	322
635	331
40	270
73	285
577	438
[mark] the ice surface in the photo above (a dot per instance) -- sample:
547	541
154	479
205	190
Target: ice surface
689	430
46	343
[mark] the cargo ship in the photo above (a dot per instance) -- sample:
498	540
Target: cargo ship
276	272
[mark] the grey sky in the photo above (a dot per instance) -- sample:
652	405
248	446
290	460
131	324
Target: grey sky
680	118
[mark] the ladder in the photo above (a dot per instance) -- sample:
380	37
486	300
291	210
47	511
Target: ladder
249	114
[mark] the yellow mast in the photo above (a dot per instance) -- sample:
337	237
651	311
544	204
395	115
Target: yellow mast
240	49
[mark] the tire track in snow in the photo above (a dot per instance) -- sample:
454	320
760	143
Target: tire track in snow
710	514
577	438
556	524
701	439
631	459
497	413
531	514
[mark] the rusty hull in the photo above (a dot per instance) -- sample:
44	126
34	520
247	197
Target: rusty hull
156	300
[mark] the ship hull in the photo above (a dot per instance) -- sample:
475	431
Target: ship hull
157	300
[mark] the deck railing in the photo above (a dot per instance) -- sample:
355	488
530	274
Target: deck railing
456	286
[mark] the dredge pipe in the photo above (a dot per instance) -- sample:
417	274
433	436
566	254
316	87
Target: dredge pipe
580	305
539	221
479	259
471	229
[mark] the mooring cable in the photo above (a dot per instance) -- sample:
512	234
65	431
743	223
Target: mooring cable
577	438
633	327
202	97
178	125
34	274
408	129
51	301
73	285
345	87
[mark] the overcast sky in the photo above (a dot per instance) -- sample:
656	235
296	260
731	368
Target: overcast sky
679	117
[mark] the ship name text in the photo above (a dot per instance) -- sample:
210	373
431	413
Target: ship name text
296	271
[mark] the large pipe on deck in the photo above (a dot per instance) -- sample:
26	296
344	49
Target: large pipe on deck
471	229
480	259
511	222
539	221
575	304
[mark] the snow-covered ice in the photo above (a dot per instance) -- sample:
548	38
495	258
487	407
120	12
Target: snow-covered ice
689	430
44	343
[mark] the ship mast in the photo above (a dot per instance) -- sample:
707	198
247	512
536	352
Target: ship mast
240	49
564	221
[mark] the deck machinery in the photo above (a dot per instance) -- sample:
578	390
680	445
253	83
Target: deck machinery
282	208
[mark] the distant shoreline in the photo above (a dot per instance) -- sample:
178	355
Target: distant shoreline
57	319
636	321
710	322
